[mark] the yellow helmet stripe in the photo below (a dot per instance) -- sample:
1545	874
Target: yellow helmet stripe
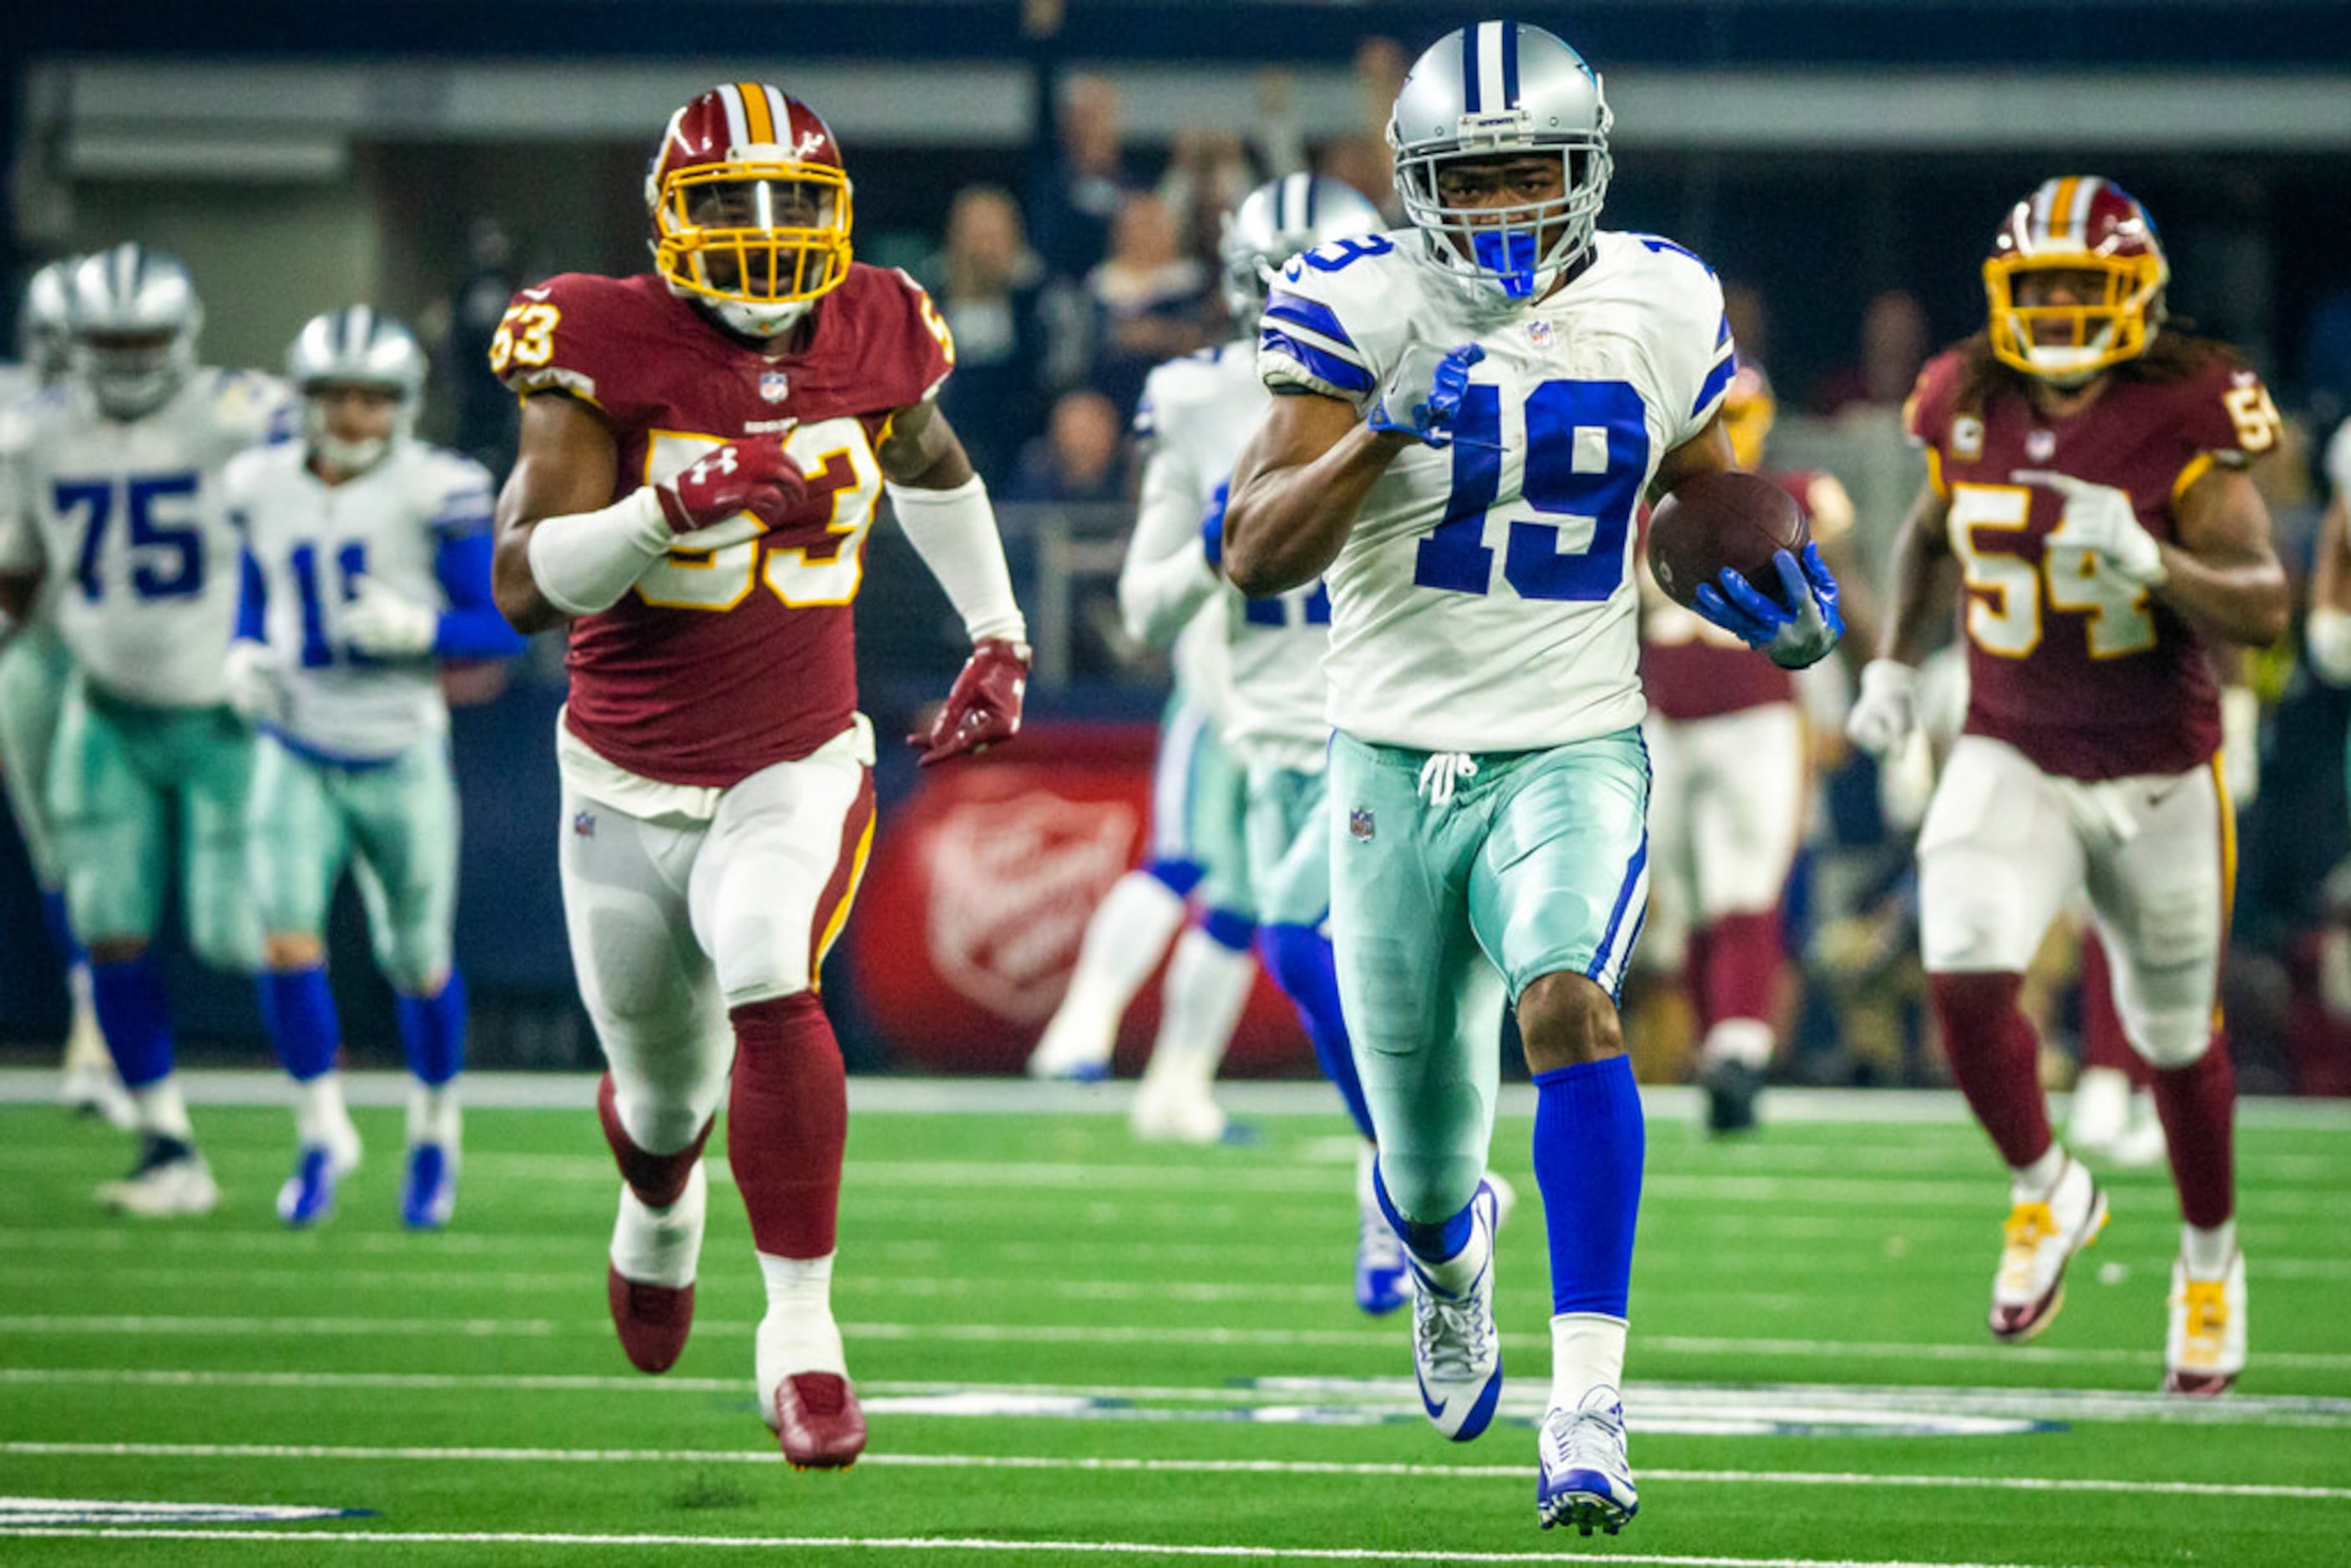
759	121
2059	221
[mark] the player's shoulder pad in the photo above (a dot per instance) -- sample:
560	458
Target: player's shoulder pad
451	490
1675	301
1934	397
1174	390
1337	316
567	333
248	405
2224	409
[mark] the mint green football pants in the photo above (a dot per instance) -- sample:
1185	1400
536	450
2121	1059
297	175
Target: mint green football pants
393	824
1446	869
33	668
1200	802
122	779
1288	846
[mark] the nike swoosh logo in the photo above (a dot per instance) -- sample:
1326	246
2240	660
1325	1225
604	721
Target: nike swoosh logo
1436	1408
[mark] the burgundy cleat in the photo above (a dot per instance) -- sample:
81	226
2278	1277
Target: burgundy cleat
2198	1384
653	1321
818	1421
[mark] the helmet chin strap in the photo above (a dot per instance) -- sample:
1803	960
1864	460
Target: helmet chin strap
760	320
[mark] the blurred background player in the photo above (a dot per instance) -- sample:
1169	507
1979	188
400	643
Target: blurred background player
1728	783
368	558
120	500
33	666
2086	495
2327	632
702	450
1489	787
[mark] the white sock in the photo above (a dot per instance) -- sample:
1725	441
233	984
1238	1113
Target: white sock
1587	1352
432	1114
162	1112
1129	932
662	1246
1746	1040
1208	986
2038	1181
798	1334
1458	1272
318	1114
2207	1252
85	1044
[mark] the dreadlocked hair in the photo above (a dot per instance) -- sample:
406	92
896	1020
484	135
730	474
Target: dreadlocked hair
2171	355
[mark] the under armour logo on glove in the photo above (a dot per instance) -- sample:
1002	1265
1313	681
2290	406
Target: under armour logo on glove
983	706
754	477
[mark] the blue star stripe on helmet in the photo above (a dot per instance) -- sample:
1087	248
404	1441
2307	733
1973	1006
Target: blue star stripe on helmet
1320	363
1716	380
1510	63
1472	99
1310	314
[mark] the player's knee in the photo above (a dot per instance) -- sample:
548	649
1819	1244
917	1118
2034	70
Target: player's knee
1424	1188
287	951
116	949
1974	1005
2168	1041
1566	1019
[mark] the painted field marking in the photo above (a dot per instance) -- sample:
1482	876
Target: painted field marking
69	1325
949	1544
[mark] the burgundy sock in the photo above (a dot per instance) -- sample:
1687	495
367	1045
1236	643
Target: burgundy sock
656	1179
1742	967
1995	1058
787	1123
2198	1103
1697	960
2104	1044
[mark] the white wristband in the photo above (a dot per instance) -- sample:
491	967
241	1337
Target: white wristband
584	562
955	533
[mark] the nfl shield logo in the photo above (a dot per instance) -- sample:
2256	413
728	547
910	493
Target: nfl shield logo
583	824
773	386
1359	823
2040	446
1539	333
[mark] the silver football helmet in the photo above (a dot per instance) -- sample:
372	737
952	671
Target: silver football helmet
134	316
355	347
1492	90
1278	220
43	335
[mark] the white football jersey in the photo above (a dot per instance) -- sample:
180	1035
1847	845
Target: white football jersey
18	388
1484	599
313	542
1199	412
127	520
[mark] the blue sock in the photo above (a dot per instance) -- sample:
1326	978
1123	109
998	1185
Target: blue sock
298	1012
135	1017
1178	877
1589	1142
432	1032
1229	930
53	915
1432	1243
1298	959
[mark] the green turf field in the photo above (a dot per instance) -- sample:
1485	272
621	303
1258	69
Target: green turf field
1074	1349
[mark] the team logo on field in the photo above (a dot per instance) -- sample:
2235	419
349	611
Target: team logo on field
1360	823
775	386
1012	884
1967	438
2040	446
1539	333
583	824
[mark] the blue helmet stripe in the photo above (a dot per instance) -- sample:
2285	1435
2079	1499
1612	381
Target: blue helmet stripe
1312	186
1510	63
1472	100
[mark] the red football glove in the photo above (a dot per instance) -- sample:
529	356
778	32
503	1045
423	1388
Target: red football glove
754	477
983	706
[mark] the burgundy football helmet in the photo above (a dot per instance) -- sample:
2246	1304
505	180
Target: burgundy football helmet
2076	223
750	206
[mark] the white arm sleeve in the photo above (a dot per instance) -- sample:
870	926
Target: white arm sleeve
584	562
1167	577
955	533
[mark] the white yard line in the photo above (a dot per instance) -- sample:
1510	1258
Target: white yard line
1854	1478
945	1543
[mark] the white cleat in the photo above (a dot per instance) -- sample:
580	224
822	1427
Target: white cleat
1176	1111
2205	1350
1457	1354
171	1178
89	1086
2043	1235
2142	1144
1077	1045
307	1195
1584	1477
2101	1110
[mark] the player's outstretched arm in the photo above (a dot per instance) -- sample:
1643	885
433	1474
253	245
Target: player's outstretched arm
944	509
1297	488
566	467
2224	571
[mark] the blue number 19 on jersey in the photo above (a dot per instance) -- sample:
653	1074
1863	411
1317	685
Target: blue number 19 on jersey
1456	558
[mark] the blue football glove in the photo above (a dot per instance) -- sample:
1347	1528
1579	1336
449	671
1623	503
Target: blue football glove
1422	399
1212	529
1789	641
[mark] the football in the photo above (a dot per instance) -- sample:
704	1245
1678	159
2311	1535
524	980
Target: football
1723	519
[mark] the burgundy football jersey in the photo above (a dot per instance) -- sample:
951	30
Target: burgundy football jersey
2088	675
721	663
1691	668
